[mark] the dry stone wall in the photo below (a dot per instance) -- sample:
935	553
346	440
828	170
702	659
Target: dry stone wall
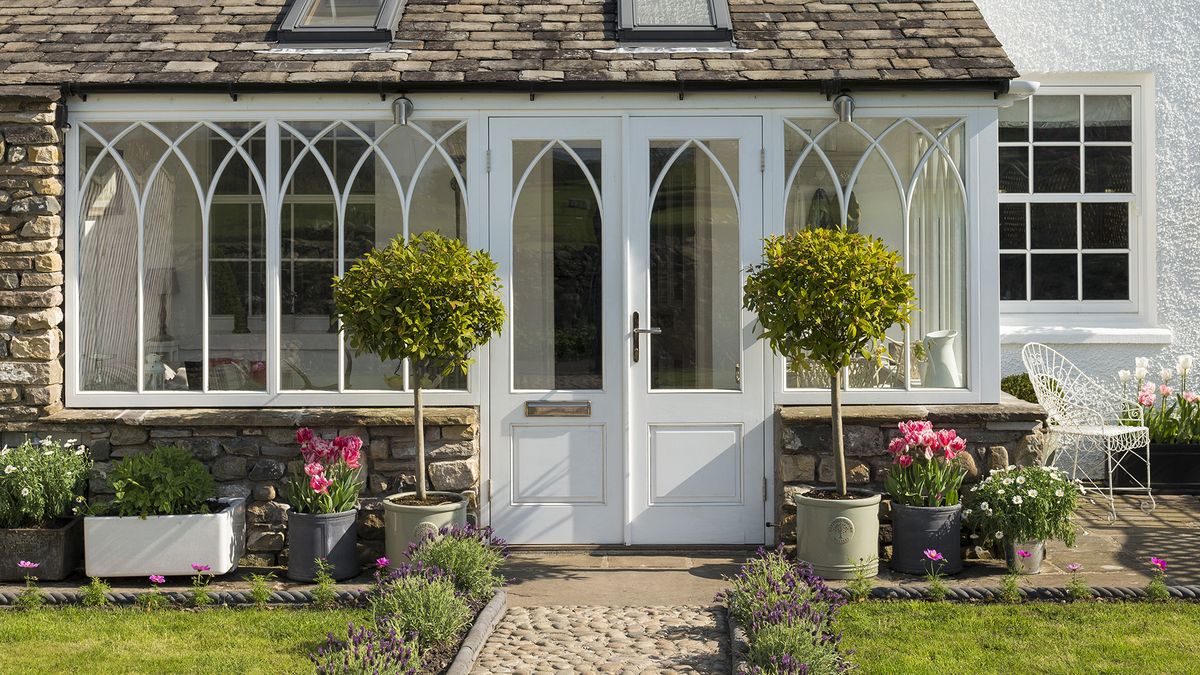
31	263
251	453
997	435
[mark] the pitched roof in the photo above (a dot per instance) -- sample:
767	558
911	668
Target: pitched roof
231	42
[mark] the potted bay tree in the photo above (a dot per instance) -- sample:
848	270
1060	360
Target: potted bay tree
823	296
40	482
433	301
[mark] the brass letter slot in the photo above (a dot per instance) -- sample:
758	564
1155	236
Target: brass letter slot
558	408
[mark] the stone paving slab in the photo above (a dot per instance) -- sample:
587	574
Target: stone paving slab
599	639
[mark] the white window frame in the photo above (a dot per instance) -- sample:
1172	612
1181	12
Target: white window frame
1043	319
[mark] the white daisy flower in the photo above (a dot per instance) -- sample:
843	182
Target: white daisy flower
48	453
1017	500
1031	492
999	534
1059	492
24	492
984	506
1020	480
10	468
1008	481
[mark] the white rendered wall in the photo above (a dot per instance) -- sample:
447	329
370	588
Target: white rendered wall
1160	37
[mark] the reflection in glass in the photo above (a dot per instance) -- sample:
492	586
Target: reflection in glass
672	13
1106	225
1055	118
1055	169
1108	169
1012	226
1014	169
342	13
1012	276
557	280
1052	225
1105	276
1108	118
1014	122
695	275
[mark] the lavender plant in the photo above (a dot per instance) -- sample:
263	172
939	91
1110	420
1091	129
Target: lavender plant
367	650
421	601
470	556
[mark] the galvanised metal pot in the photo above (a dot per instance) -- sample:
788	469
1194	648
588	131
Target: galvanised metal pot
332	536
1027	564
916	529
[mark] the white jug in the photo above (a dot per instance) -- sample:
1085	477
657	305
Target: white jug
942	371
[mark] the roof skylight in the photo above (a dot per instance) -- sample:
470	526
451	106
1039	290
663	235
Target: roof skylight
340	21
674	21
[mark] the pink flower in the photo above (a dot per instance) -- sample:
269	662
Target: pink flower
1191	396
949	453
304	435
933	555
200	568
314	469
1165	390
905	461
1074	567
1023	553
897	446
946	437
320	484
26	565
930	439
1159	563
958	444
157	579
382	562
928	453
1146	395
352	456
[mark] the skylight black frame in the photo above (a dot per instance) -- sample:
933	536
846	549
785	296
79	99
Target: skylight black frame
721	29
383	31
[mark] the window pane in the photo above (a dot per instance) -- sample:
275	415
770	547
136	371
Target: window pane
1052	226
1014	122
1109	169
342	13
1106	225
695	271
1053	276
557	269
672	13
1014	169
1105	276
1012	226
1055	169
1012	276
1108	118
1055	118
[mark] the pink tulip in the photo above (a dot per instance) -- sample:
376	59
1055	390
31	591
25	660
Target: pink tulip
1191	396
958	444
320	484
946	437
314	469
304	435
897	446
1165	390
1146	395
905	461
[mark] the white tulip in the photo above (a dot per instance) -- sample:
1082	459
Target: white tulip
1125	376
1140	373
1141	362
1165	374
1184	364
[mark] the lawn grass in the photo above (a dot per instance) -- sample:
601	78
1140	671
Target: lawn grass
76	640
924	637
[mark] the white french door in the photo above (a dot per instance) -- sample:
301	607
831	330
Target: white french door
598	434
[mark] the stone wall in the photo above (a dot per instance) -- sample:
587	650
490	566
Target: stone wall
997	435
252	452
31	264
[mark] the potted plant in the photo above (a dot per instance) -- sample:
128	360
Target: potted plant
431	300
1172	413
164	516
924	482
822	296
39	483
323	518
1020	508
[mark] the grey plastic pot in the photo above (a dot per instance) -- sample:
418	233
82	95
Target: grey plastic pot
332	536
403	523
1027	564
916	529
837	536
57	550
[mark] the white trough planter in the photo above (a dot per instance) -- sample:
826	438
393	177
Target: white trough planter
168	545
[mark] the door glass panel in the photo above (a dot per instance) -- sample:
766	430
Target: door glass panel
695	276
557	279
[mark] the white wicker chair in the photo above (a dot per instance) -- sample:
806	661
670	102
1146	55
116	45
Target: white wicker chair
1090	427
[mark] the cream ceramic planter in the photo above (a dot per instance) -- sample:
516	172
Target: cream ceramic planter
836	536
404	524
129	546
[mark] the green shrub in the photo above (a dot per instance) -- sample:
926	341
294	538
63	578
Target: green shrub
167	481
470	556
783	647
1019	386
95	593
324	594
424	602
260	589
40	480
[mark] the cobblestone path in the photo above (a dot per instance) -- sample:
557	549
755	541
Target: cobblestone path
608	640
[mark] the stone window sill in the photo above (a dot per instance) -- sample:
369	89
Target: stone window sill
1083	335
264	417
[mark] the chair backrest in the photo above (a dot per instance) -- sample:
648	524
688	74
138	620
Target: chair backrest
1069	395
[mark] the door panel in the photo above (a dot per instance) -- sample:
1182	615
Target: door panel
555	394
696	405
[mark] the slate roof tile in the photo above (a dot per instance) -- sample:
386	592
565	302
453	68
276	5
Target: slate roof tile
479	41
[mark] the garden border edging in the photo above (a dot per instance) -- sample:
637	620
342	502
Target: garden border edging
738	644
485	624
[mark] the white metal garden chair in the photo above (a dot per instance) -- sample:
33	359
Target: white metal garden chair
1091	429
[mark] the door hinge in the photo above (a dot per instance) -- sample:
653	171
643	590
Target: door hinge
487	160
488	489
766	485
762	160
